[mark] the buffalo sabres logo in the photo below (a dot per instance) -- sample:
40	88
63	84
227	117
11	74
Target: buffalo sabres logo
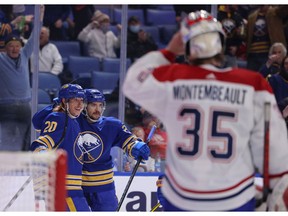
89	146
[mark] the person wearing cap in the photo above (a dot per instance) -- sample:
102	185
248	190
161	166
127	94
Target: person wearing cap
15	96
214	119
99	40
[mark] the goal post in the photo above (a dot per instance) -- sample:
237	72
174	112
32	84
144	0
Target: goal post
33	181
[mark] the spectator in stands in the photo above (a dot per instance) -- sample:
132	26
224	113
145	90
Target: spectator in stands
15	96
82	15
54	18
234	27
273	65
99	40
11	24
264	28
50	59
6	27
159	140
279	82
18	10
283	106
139	42
245	10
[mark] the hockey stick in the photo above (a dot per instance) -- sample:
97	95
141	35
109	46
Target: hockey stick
155	207
266	185
17	193
135	169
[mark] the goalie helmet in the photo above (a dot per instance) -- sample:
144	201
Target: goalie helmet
68	91
202	35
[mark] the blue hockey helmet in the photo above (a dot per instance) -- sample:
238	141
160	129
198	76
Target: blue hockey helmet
94	95
68	91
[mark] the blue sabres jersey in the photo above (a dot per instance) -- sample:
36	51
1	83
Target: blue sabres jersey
98	139
51	137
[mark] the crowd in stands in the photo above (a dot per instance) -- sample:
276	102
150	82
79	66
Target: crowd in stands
256	39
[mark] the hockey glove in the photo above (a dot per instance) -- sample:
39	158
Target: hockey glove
140	149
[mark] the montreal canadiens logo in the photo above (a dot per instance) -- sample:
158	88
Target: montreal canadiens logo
89	147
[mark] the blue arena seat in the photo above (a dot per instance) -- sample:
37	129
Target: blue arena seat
160	17
105	82
113	65
114	29
105	10
164	7
167	32
117	14
68	48
49	82
29	9
81	66
43	97
153	31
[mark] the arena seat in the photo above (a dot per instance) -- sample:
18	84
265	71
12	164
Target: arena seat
113	65
80	66
117	14
153	31
49	82
44	99
160	17
68	48
105	82
167	32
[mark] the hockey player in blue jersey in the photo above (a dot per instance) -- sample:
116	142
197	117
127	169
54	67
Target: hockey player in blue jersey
60	129
99	135
103	133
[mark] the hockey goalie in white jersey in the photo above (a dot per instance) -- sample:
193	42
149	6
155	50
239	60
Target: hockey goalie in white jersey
214	118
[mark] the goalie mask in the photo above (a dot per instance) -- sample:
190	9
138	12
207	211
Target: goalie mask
202	35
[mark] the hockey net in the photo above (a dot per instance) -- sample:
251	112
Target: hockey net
33	181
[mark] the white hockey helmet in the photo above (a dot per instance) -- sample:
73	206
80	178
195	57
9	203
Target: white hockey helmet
202	35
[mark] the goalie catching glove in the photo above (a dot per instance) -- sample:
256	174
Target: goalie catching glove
140	150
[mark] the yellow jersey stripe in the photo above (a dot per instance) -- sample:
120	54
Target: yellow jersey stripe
70	204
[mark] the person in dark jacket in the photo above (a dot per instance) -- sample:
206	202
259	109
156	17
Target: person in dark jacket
139	42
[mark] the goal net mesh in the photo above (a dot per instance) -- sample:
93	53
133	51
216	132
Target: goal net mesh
33	181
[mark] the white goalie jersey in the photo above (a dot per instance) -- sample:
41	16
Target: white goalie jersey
215	123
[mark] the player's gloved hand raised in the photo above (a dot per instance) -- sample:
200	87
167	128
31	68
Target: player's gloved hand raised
140	149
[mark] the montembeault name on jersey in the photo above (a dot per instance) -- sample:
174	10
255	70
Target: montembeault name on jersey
211	92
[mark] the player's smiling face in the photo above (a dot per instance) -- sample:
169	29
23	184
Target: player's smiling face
95	110
76	106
